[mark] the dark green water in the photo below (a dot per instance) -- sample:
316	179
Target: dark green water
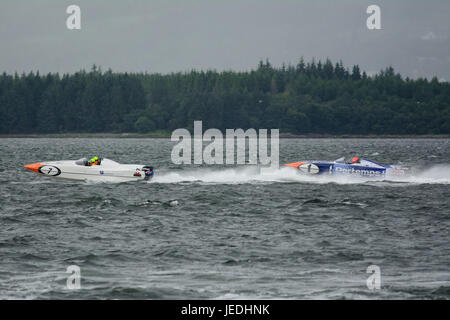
225	232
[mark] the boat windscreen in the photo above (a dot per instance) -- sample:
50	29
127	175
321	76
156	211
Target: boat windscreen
82	162
370	163
340	160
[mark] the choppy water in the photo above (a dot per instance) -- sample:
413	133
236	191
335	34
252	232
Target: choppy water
211	232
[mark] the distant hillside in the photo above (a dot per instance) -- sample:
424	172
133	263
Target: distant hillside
315	97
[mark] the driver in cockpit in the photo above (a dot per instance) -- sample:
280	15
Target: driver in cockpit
355	160
94	161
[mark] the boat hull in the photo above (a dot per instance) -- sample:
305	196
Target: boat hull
347	169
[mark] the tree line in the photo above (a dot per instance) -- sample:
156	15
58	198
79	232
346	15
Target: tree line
315	97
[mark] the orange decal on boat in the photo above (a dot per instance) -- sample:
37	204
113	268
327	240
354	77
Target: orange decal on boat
33	167
294	164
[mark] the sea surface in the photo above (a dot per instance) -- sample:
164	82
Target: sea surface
225	232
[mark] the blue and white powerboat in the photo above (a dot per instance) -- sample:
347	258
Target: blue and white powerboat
355	167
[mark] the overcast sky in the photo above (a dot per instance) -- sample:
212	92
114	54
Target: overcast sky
179	35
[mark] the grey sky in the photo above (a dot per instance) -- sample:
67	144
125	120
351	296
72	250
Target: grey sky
179	35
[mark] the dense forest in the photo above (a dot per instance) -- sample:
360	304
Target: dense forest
314	97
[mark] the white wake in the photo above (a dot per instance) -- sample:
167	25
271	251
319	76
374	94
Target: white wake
438	174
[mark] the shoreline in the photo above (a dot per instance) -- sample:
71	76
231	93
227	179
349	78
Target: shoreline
164	136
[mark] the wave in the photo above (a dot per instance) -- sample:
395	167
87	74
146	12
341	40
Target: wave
437	174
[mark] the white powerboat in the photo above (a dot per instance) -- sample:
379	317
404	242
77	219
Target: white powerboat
105	171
